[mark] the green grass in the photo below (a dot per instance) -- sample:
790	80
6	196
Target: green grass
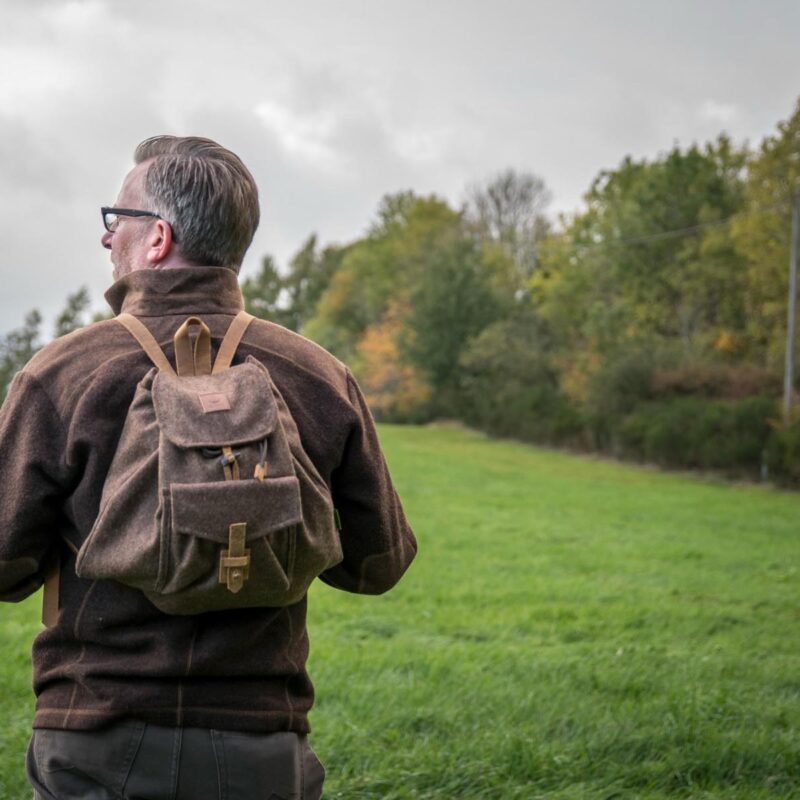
572	628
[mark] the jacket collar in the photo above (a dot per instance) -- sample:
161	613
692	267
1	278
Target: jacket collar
185	290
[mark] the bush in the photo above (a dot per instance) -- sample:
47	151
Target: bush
510	388
783	453
394	389
723	381
621	385
700	433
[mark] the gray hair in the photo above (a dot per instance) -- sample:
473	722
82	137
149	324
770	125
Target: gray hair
206	194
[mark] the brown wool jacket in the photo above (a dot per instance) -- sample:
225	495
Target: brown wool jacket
112	654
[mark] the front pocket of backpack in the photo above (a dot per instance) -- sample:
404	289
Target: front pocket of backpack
201	516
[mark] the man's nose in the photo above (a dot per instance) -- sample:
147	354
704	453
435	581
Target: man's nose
105	240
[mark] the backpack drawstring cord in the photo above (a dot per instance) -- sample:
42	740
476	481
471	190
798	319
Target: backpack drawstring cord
260	472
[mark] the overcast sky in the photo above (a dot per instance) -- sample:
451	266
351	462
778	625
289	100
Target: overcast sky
333	104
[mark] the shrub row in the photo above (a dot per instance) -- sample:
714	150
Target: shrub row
695	416
698	433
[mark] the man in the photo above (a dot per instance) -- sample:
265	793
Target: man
133	702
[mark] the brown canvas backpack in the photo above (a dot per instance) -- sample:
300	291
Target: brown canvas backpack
211	502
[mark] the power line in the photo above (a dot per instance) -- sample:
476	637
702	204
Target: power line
671	234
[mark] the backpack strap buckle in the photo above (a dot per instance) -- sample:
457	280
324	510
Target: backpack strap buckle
234	563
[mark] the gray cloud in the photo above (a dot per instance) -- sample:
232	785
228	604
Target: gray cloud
334	104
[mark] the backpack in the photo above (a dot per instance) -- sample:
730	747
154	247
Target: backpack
210	502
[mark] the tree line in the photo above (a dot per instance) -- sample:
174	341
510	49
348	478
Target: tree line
650	324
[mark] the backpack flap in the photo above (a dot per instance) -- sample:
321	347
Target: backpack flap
233	407
208	510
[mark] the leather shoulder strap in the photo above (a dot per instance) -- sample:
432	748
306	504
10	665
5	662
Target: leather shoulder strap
231	341
146	340
50	594
52	581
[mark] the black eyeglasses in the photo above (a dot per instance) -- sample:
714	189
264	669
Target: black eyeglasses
111	216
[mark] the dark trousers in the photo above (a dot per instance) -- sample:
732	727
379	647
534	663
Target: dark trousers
136	761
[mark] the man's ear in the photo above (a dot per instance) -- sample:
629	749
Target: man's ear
159	243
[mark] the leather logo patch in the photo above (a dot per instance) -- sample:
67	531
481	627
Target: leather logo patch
214	401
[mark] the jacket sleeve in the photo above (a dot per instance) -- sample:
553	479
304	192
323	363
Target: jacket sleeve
32	472
377	542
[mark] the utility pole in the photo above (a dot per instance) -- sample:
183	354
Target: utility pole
788	375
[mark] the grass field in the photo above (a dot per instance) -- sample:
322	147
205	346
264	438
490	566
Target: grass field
572	628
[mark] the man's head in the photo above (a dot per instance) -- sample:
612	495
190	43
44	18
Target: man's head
205	203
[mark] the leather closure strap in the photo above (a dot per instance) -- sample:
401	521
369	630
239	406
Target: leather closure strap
234	563
230	463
